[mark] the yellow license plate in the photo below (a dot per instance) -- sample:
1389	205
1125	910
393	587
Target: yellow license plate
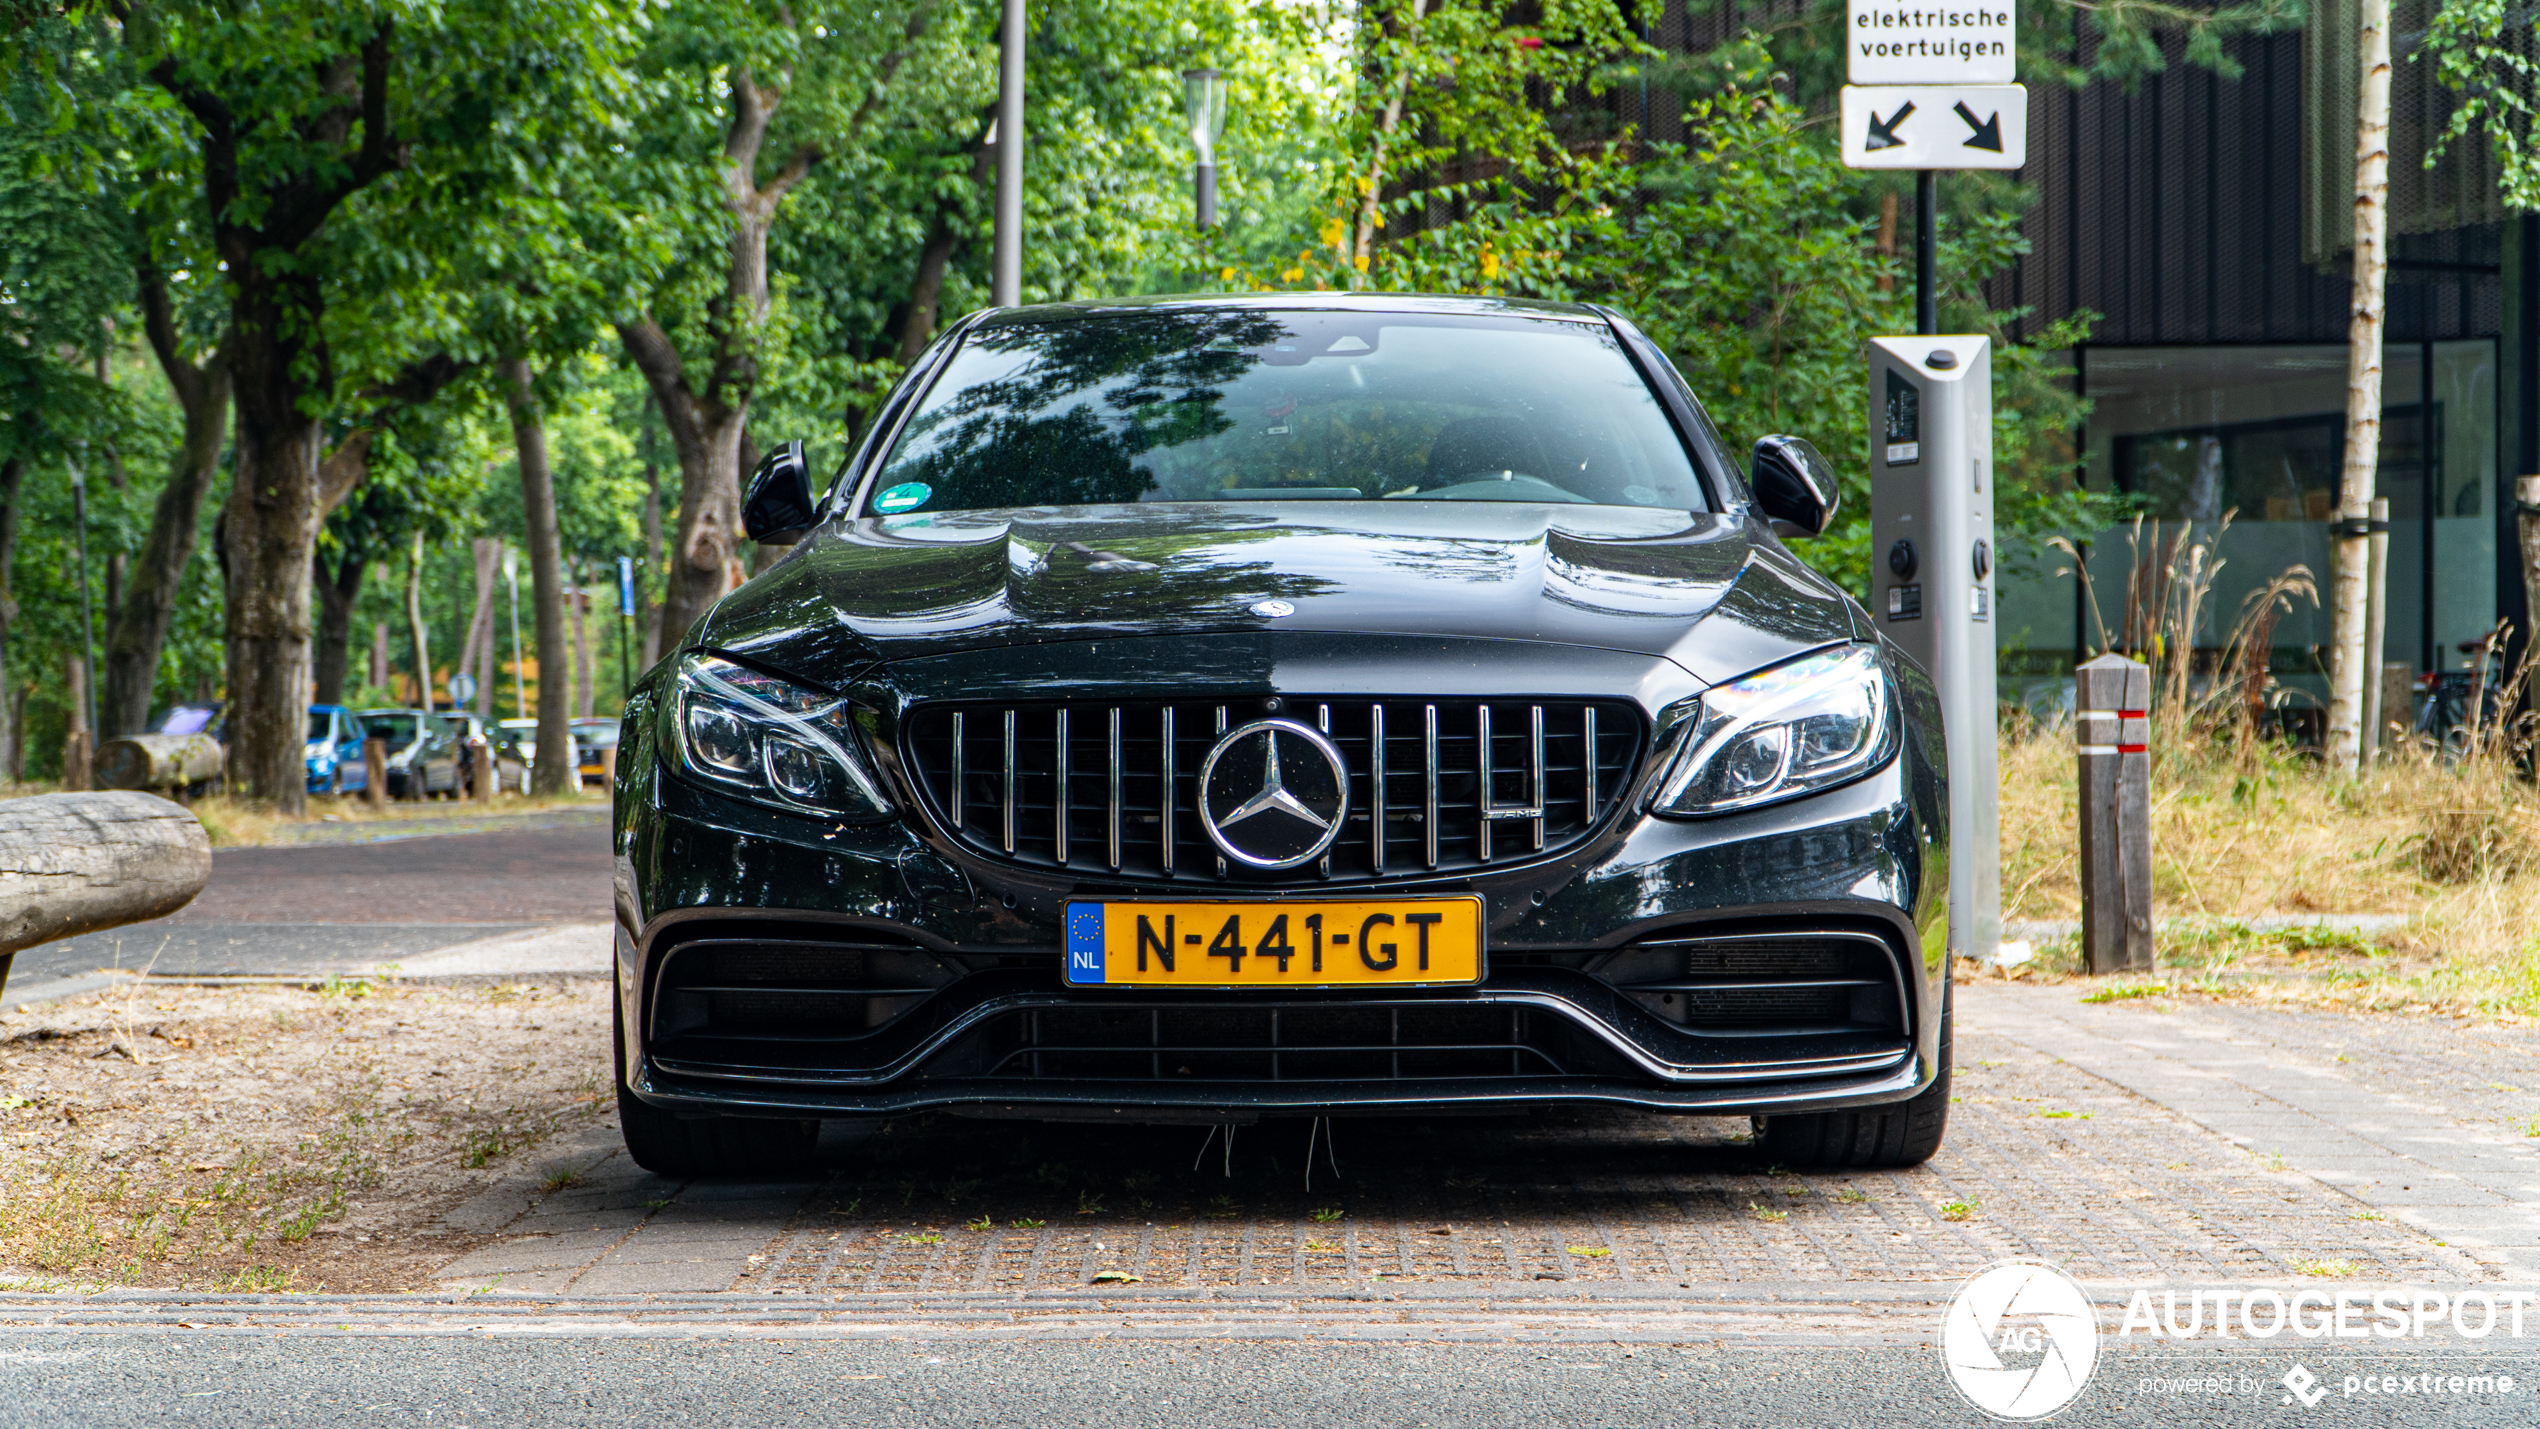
1397	942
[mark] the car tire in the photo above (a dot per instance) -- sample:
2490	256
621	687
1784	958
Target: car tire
695	1148
1867	1138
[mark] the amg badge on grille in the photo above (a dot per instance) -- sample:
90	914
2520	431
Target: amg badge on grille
1273	794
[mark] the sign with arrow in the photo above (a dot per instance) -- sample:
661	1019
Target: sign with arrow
1935	126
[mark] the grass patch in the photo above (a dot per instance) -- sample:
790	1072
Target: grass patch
1957	1210
2245	831
2330	1269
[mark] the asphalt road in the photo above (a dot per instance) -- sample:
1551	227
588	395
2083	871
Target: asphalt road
329	908
55	1380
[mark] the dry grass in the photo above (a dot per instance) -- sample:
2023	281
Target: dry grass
277	1138
235	822
2242	833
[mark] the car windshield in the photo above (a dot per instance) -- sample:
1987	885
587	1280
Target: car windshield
187	719
1217	405
321	723
395	728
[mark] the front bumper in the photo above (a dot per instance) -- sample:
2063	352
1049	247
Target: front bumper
988	1025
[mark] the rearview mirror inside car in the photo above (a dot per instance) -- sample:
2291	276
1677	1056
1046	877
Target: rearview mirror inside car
779	507
1794	486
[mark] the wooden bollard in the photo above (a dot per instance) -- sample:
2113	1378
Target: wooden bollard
2114	725
485	769
375	767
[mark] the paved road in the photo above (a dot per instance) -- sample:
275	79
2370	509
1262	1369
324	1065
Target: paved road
461	1381
341	907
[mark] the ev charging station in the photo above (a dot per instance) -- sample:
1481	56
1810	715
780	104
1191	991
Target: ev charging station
1932	90
1931	582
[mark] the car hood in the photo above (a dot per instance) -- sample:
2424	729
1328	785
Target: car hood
1711	592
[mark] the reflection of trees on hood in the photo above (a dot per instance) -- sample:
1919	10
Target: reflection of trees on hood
993	445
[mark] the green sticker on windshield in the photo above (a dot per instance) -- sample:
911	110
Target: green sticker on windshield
907	496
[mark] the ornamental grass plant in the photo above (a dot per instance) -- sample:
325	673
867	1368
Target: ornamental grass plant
2261	857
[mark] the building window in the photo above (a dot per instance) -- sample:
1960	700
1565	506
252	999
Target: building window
2259	432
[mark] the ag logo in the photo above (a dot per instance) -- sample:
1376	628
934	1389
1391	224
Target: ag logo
2020	1340
1272	794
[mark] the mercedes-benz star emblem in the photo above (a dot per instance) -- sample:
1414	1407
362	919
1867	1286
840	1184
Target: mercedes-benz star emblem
1280	807
1272	609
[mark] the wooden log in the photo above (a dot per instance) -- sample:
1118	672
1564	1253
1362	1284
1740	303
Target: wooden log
80	863
375	770
158	761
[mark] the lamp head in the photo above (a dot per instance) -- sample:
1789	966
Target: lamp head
1204	110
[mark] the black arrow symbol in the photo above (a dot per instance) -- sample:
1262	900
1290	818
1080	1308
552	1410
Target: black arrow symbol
1988	134
1883	132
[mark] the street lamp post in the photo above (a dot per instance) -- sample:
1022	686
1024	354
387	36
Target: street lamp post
1204	106
520	687
1005	286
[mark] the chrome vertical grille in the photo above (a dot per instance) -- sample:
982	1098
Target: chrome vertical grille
1434	784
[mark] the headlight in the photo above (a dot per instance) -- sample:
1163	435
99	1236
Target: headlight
772	740
1794	729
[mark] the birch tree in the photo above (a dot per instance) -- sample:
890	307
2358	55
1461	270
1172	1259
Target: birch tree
2350	664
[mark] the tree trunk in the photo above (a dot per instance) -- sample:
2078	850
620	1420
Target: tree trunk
926	295
582	664
414	624
554	771
476	652
78	746
647	607
2350	559
705	417
270	535
378	655
12	709
706	436
336	594
137	626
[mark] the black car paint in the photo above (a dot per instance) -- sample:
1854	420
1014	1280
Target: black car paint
1503	600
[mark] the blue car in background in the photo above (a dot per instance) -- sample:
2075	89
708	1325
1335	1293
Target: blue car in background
335	751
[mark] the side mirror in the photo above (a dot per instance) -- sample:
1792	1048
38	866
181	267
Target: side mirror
779	508
1794	486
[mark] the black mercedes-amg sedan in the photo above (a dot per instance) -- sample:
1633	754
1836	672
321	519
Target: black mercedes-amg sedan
1206	709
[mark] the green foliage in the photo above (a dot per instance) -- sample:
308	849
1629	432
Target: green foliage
562	168
2490	72
1755	267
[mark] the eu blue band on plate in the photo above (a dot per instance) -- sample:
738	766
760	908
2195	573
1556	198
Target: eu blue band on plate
1084	942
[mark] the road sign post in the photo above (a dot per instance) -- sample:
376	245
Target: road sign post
625	629
1931	90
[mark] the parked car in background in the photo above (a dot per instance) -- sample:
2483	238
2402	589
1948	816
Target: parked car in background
405	732
590	737
524	737
443	757
193	717
334	751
